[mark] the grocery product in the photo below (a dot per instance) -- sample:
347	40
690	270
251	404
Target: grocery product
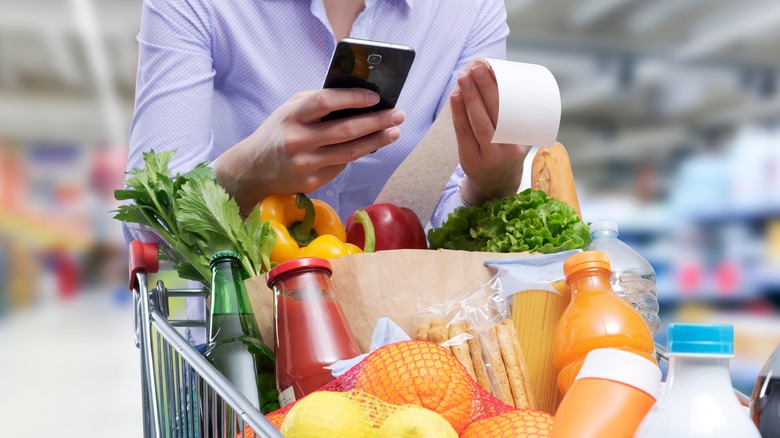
595	318
698	400
633	278
515	424
235	347
411	421
765	401
326	414
551	172
394	227
613	392
311	330
304	228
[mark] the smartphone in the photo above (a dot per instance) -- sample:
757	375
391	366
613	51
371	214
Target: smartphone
376	66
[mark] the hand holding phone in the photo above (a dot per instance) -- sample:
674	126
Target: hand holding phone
376	66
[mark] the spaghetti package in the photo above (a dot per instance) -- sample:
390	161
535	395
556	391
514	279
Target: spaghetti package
476	327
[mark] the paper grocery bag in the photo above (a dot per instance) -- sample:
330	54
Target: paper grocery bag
386	283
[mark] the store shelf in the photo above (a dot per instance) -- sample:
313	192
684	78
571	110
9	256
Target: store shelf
44	232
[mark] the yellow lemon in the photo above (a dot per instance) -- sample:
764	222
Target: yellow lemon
325	414
411	421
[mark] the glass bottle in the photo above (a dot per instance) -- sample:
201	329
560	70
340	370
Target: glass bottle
765	401
311	329
235	347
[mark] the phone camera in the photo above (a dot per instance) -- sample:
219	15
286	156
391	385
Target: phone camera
374	59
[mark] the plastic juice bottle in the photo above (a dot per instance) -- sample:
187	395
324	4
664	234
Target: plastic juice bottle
595	318
311	330
765	401
235	347
611	395
633	277
698	400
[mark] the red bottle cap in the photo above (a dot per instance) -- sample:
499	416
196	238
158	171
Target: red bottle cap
305	263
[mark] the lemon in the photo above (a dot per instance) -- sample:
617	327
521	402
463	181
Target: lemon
325	414
412	421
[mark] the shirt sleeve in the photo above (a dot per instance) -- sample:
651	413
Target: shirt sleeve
487	40
174	87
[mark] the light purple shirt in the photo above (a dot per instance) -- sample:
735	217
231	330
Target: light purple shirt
211	71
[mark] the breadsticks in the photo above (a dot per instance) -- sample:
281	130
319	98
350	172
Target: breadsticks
514	362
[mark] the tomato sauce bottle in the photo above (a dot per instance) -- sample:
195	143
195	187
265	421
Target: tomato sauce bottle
595	318
311	330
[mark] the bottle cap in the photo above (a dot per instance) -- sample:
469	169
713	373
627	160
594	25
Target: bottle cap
297	264
585	260
603	226
624	367
701	338
226	254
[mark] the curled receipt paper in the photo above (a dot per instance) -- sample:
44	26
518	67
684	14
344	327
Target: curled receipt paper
529	100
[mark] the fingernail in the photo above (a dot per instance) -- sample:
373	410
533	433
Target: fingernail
455	95
398	117
394	134
372	98
466	82
478	70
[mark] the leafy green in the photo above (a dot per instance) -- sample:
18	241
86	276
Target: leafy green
527	221
194	216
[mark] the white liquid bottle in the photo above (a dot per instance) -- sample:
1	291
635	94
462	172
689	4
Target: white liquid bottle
633	277
698	401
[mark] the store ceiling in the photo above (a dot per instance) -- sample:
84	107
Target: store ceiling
638	78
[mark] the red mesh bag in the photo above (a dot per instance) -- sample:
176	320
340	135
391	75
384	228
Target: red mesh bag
428	375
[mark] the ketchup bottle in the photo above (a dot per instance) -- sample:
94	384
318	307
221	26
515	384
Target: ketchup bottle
595	318
311	330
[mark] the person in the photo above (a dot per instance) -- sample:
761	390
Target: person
238	85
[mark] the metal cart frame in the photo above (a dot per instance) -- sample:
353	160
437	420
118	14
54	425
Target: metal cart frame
183	395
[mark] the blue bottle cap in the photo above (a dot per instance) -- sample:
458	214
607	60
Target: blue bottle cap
701	338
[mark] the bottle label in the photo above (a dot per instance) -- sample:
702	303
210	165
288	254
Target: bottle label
286	397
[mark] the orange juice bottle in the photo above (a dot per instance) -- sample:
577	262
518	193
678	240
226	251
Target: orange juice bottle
595	318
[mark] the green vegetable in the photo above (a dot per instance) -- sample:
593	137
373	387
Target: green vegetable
195	217
527	221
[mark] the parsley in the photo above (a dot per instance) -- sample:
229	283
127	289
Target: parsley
195	217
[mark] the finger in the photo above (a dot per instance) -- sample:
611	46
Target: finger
478	117
485	79
343	153
316	104
352	128
468	146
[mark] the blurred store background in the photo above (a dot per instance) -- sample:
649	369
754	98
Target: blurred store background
671	115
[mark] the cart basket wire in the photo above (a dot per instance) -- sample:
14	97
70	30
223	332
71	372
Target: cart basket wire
182	394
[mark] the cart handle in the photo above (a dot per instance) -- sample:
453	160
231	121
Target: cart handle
143	258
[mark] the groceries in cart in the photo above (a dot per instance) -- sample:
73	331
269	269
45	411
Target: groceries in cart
561	355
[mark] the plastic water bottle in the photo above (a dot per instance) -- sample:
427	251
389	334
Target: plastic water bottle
698	400
633	278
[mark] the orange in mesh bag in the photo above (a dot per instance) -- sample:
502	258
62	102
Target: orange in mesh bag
419	373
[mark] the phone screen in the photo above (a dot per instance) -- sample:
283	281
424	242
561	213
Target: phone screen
375	66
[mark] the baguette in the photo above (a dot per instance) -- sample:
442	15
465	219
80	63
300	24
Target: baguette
461	351
551	173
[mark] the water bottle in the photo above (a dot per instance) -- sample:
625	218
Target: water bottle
765	401
633	278
698	400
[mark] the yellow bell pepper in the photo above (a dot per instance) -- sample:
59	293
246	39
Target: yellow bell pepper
307	228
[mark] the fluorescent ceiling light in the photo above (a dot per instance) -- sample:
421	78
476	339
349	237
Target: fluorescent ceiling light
592	11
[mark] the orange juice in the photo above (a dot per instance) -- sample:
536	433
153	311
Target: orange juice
595	318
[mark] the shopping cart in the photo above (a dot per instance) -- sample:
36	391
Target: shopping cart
183	395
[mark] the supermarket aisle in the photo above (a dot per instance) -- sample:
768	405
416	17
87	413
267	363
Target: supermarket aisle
70	369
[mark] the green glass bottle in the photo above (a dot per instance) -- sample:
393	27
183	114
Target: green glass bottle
235	347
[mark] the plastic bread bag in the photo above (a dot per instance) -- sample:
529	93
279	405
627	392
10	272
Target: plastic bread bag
476	326
535	289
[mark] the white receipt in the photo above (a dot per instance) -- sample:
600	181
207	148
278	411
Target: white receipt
529	110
